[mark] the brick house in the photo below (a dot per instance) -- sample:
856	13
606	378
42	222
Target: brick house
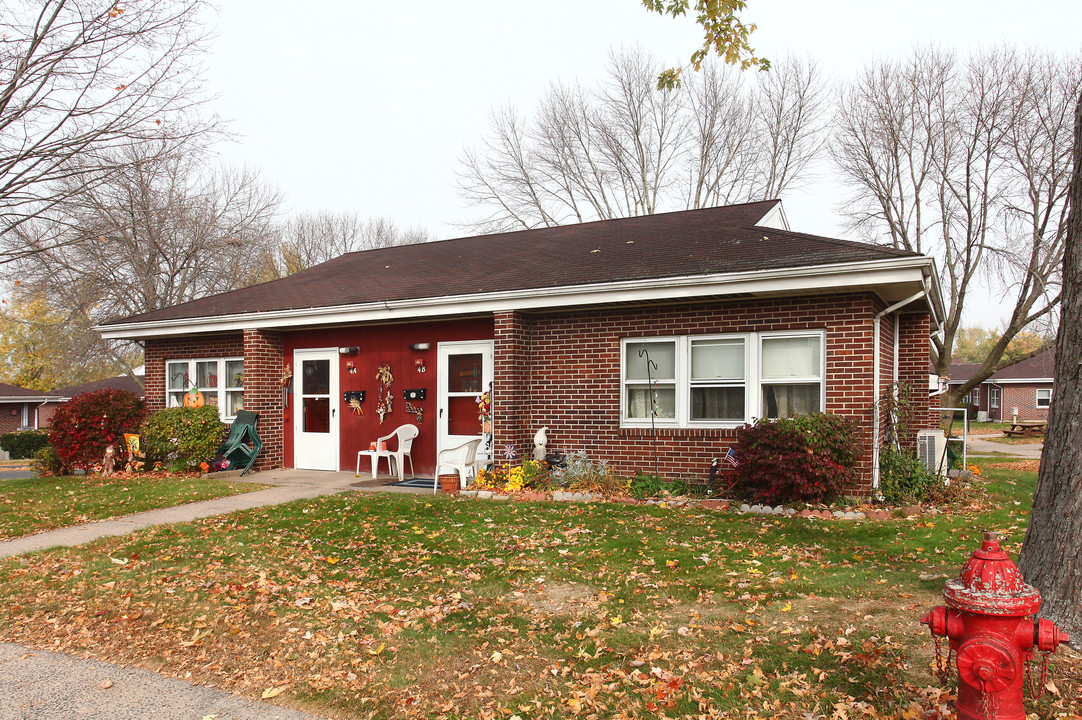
1021	392
22	409
741	318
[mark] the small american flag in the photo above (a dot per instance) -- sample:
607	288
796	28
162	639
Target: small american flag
730	457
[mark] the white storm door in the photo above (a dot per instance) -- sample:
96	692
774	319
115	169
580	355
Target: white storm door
465	371
315	409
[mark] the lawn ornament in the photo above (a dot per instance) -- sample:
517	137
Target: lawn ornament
991	629
109	461
540	443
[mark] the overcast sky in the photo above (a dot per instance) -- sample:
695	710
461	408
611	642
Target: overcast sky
366	106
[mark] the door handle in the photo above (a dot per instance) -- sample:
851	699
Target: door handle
332	411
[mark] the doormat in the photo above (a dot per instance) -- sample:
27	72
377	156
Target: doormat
412	482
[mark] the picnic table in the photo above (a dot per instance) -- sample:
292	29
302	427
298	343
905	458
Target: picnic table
1025	429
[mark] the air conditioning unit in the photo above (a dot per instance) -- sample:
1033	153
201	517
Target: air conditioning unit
982	416
931	448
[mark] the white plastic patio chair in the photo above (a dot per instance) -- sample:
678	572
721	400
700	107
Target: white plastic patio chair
405	435
462	459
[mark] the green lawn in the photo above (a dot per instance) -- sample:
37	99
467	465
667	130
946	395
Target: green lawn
36	505
391	606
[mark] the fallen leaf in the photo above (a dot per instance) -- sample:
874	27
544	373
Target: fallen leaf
106	684
274	692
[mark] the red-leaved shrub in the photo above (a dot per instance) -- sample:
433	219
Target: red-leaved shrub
82	428
807	458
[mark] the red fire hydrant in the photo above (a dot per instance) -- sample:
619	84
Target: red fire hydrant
992	632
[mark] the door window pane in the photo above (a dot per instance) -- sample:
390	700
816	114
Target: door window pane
464	373
662	354
315	377
791	357
317	415
463	418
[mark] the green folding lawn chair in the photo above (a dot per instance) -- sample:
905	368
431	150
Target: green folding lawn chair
242	445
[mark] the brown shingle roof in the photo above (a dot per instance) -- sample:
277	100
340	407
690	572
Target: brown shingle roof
1038	366
680	244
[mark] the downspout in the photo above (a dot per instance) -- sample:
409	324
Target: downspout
875	375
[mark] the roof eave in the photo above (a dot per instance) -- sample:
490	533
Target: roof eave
916	269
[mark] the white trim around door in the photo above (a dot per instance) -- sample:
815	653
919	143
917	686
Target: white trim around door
316	435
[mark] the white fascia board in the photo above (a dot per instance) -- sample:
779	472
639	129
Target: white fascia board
788	280
1021	381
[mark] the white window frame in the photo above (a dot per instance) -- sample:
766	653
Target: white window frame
753	377
221	393
1037	398
993	398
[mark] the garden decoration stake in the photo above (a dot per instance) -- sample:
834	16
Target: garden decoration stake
651	365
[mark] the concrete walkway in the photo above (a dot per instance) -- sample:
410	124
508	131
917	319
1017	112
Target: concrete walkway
979	446
289	485
42	685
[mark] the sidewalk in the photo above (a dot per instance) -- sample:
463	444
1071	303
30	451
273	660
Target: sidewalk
289	485
42	685
980	447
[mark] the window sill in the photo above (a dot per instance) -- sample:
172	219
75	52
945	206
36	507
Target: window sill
679	432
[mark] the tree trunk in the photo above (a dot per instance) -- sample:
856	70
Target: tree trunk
1051	560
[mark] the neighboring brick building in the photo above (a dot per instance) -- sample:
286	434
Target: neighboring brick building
22	409
740	317
1021	392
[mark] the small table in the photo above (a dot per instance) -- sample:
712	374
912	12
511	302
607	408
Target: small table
1025	429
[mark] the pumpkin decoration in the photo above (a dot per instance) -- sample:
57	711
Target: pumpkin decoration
194	399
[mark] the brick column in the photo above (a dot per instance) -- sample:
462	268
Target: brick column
263	363
511	396
914	367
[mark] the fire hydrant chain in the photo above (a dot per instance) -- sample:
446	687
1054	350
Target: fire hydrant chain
1036	691
942	670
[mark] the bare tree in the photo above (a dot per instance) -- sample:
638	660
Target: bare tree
626	148
307	239
966	160
164	229
79	81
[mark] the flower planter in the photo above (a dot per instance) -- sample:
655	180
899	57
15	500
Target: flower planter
450	484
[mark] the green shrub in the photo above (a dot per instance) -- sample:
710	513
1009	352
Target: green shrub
903	477
47	463
648	486
182	437
83	427
807	458
24	443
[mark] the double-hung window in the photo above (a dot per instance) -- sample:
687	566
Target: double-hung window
718	382
645	362
721	380
1044	397
791	368
993	398
219	380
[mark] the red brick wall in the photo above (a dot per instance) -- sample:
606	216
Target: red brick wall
572	382
512	419
263	363
1024	397
11	422
914	367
